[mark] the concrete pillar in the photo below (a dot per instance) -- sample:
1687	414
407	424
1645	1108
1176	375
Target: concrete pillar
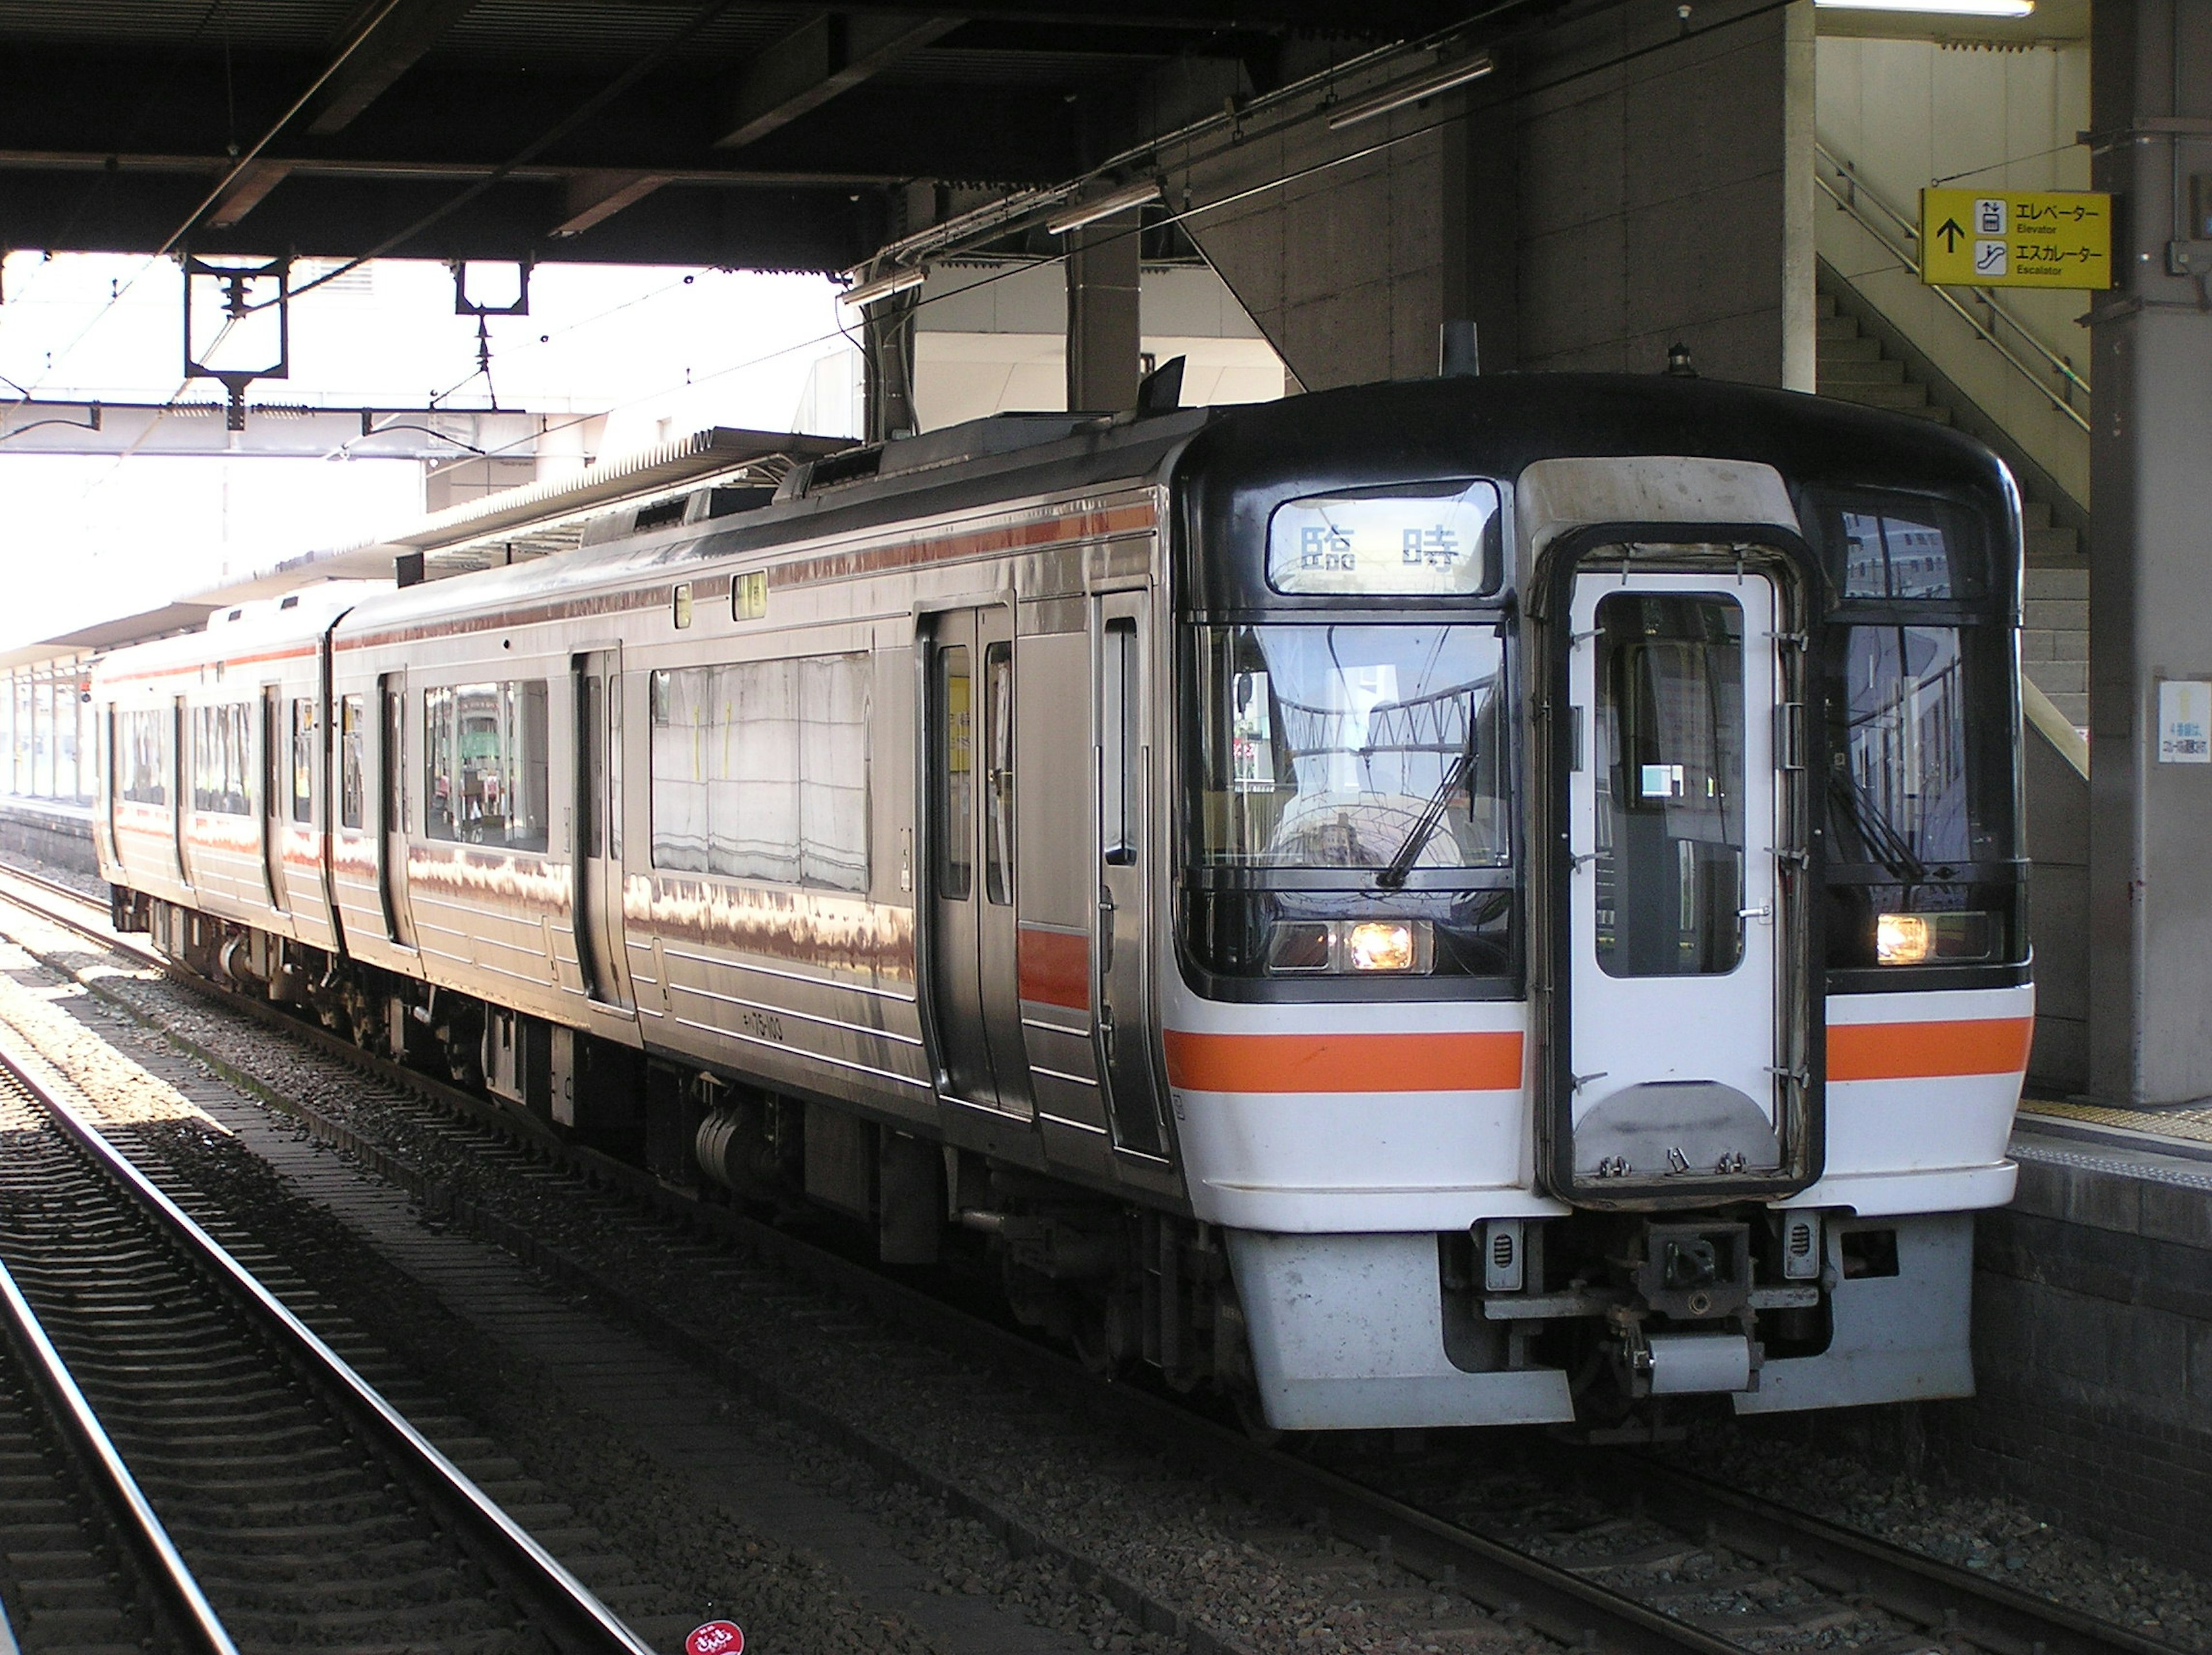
1104	344
2150	570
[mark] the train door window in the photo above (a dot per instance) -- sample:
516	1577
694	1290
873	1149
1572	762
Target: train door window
592	738
1118	738
303	760
392	814
999	778
350	736
1670	844
955	774
613	804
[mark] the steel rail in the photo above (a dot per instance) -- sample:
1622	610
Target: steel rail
1553	1600
558	1603
1846	198
1995	1616
190	1617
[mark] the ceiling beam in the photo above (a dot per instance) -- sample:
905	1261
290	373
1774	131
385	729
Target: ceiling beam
399	40
814	64
595	196
246	191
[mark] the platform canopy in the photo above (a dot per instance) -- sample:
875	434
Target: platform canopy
729	132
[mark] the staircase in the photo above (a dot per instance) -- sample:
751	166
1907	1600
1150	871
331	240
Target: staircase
1853	366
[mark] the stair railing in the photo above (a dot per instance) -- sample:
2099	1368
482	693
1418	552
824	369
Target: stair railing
1899	235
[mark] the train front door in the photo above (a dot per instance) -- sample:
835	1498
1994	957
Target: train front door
599	913
1674	1063
968	838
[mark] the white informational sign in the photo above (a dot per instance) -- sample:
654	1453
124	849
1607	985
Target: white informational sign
1416	540
2184	722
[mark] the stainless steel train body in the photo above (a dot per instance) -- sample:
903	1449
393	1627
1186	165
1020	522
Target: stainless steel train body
1434	903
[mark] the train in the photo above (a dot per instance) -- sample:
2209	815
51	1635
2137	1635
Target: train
1461	902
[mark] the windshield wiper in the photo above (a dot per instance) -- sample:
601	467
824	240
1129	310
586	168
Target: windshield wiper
1880	835
1393	876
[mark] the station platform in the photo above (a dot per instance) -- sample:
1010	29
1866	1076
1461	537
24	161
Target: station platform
48	831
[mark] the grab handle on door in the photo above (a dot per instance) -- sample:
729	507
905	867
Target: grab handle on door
1105	931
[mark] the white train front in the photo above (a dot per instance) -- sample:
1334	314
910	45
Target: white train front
1441	904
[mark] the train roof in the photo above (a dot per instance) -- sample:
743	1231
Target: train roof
1229	462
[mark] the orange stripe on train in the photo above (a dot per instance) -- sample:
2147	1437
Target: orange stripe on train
1053	967
1911	1051
1344	1062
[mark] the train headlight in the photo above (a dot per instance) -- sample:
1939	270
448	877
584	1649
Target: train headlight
1379	946
1930	939
1317	947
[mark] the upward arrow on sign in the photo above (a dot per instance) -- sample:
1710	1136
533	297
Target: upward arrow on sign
1951	231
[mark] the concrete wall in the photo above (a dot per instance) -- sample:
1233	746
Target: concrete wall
1342	269
1906	113
1662	199
1617	185
2093	1348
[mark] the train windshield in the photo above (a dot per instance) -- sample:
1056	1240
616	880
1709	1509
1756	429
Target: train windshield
1344	747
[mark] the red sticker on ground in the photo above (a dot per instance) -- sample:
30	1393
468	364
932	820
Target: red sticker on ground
716	1638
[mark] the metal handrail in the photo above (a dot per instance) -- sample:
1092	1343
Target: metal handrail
562	1607
1905	250
190	1617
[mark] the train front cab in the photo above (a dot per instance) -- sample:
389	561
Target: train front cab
1703	1146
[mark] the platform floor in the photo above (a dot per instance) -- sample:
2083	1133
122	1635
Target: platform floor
2185	1131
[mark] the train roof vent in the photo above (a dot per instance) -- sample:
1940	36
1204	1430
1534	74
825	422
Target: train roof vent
848	465
660	514
732	498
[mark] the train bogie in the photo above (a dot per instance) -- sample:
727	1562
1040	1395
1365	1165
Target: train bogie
1430	905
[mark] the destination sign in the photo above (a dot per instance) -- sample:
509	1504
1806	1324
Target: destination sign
1420	540
2046	238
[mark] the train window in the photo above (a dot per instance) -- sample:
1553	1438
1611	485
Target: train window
1120	737
303	761
1330	747
1670	780
954	780
143	758
999	775
223	759
760	770
350	736
1411	539
484	763
1890	547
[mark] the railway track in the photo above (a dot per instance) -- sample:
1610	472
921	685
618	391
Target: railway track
272	1500
1646	1556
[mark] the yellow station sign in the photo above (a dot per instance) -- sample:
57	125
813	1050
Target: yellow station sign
2043	239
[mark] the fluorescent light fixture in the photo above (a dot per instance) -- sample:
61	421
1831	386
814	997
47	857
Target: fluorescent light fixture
863	293
1142	193
1936	7
1406	92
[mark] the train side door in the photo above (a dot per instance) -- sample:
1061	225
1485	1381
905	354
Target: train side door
392	806
276	793
599	916
1124	1031
1672	1061
969	740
